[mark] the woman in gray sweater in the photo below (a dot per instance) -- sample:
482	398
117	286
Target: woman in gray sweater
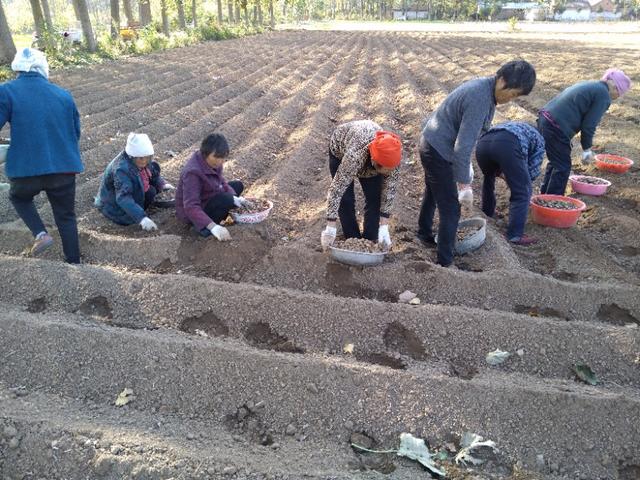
446	144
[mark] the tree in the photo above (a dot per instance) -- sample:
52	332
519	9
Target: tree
181	22
38	18
47	15
165	17
144	6
220	11
128	12
7	47
230	8
83	15
272	21
194	13
115	18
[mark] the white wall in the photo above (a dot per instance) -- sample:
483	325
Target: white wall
574	15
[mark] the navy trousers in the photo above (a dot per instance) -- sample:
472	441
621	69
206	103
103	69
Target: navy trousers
558	148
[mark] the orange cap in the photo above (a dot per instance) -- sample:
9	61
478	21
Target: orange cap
386	149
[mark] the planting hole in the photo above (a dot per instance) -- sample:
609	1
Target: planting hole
96	306
400	339
262	336
382	359
37	305
616	315
539	312
207	323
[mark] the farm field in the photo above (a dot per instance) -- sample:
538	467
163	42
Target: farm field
235	352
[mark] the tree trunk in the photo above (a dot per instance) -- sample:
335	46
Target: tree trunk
144	7
220	15
272	20
47	15
128	12
38	18
260	18
230	8
7	47
115	18
85	21
238	18
165	17
181	23
245	7
254	15
194	13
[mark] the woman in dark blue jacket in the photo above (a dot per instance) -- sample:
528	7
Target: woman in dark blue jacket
44	153
130	184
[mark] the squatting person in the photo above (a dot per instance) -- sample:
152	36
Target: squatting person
362	150
447	140
513	151
130	184
204	198
44	153
578	108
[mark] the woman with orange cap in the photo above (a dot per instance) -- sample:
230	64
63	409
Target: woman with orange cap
362	150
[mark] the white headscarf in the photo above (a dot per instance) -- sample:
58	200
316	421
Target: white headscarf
31	60
138	145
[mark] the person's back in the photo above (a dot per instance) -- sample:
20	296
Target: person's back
45	127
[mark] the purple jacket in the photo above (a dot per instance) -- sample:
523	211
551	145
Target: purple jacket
198	184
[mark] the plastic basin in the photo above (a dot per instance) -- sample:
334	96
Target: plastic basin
579	186
360	259
3	152
621	166
474	241
555	217
251	217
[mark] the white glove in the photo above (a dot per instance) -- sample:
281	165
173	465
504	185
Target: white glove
588	157
465	194
147	224
240	202
384	238
221	233
168	186
328	236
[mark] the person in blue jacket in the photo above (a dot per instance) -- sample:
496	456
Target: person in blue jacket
578	108
513	151
130	184
44	154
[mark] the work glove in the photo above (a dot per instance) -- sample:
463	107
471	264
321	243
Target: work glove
221	233
240	202
384	238
588	157
465	194
147	224
168	186
328	236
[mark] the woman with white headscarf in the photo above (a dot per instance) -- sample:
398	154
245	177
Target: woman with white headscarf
44	153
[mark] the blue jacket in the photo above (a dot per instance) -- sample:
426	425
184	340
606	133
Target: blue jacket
580	108
121	194
531	144
45	127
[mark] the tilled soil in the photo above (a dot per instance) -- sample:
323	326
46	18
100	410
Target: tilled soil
237	350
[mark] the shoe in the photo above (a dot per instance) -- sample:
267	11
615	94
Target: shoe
43	241
428	242
524	240
205	232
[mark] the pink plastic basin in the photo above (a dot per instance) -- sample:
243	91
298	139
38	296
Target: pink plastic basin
588	188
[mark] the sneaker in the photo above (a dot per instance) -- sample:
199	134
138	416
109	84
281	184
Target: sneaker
524	240
43	241
428	242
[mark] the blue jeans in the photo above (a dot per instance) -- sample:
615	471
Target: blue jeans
499	152
558	148
61	192
440	191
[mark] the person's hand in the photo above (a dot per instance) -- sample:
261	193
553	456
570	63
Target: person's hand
328	236
147	224
588	157
168	186
240	202
465	194
384	238
221	233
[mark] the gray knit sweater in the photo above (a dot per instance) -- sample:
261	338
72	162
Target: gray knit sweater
455	126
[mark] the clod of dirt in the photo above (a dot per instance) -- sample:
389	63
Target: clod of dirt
96	306
557	204
258	205
208	323
398	338
382	359
406	296
246	421
262	336
37	305
616	315
360	245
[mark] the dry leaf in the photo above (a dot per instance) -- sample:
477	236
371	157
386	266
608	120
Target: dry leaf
348	348
124	397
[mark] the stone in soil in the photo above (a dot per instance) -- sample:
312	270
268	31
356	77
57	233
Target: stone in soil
557	204
360	245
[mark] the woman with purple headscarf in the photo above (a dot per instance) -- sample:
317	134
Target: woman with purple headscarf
578	108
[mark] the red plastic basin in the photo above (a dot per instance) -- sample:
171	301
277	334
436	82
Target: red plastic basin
555	217
621	166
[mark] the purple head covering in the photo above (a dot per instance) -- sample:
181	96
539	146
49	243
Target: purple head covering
623	83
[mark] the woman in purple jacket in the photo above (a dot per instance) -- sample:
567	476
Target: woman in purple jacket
203	197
